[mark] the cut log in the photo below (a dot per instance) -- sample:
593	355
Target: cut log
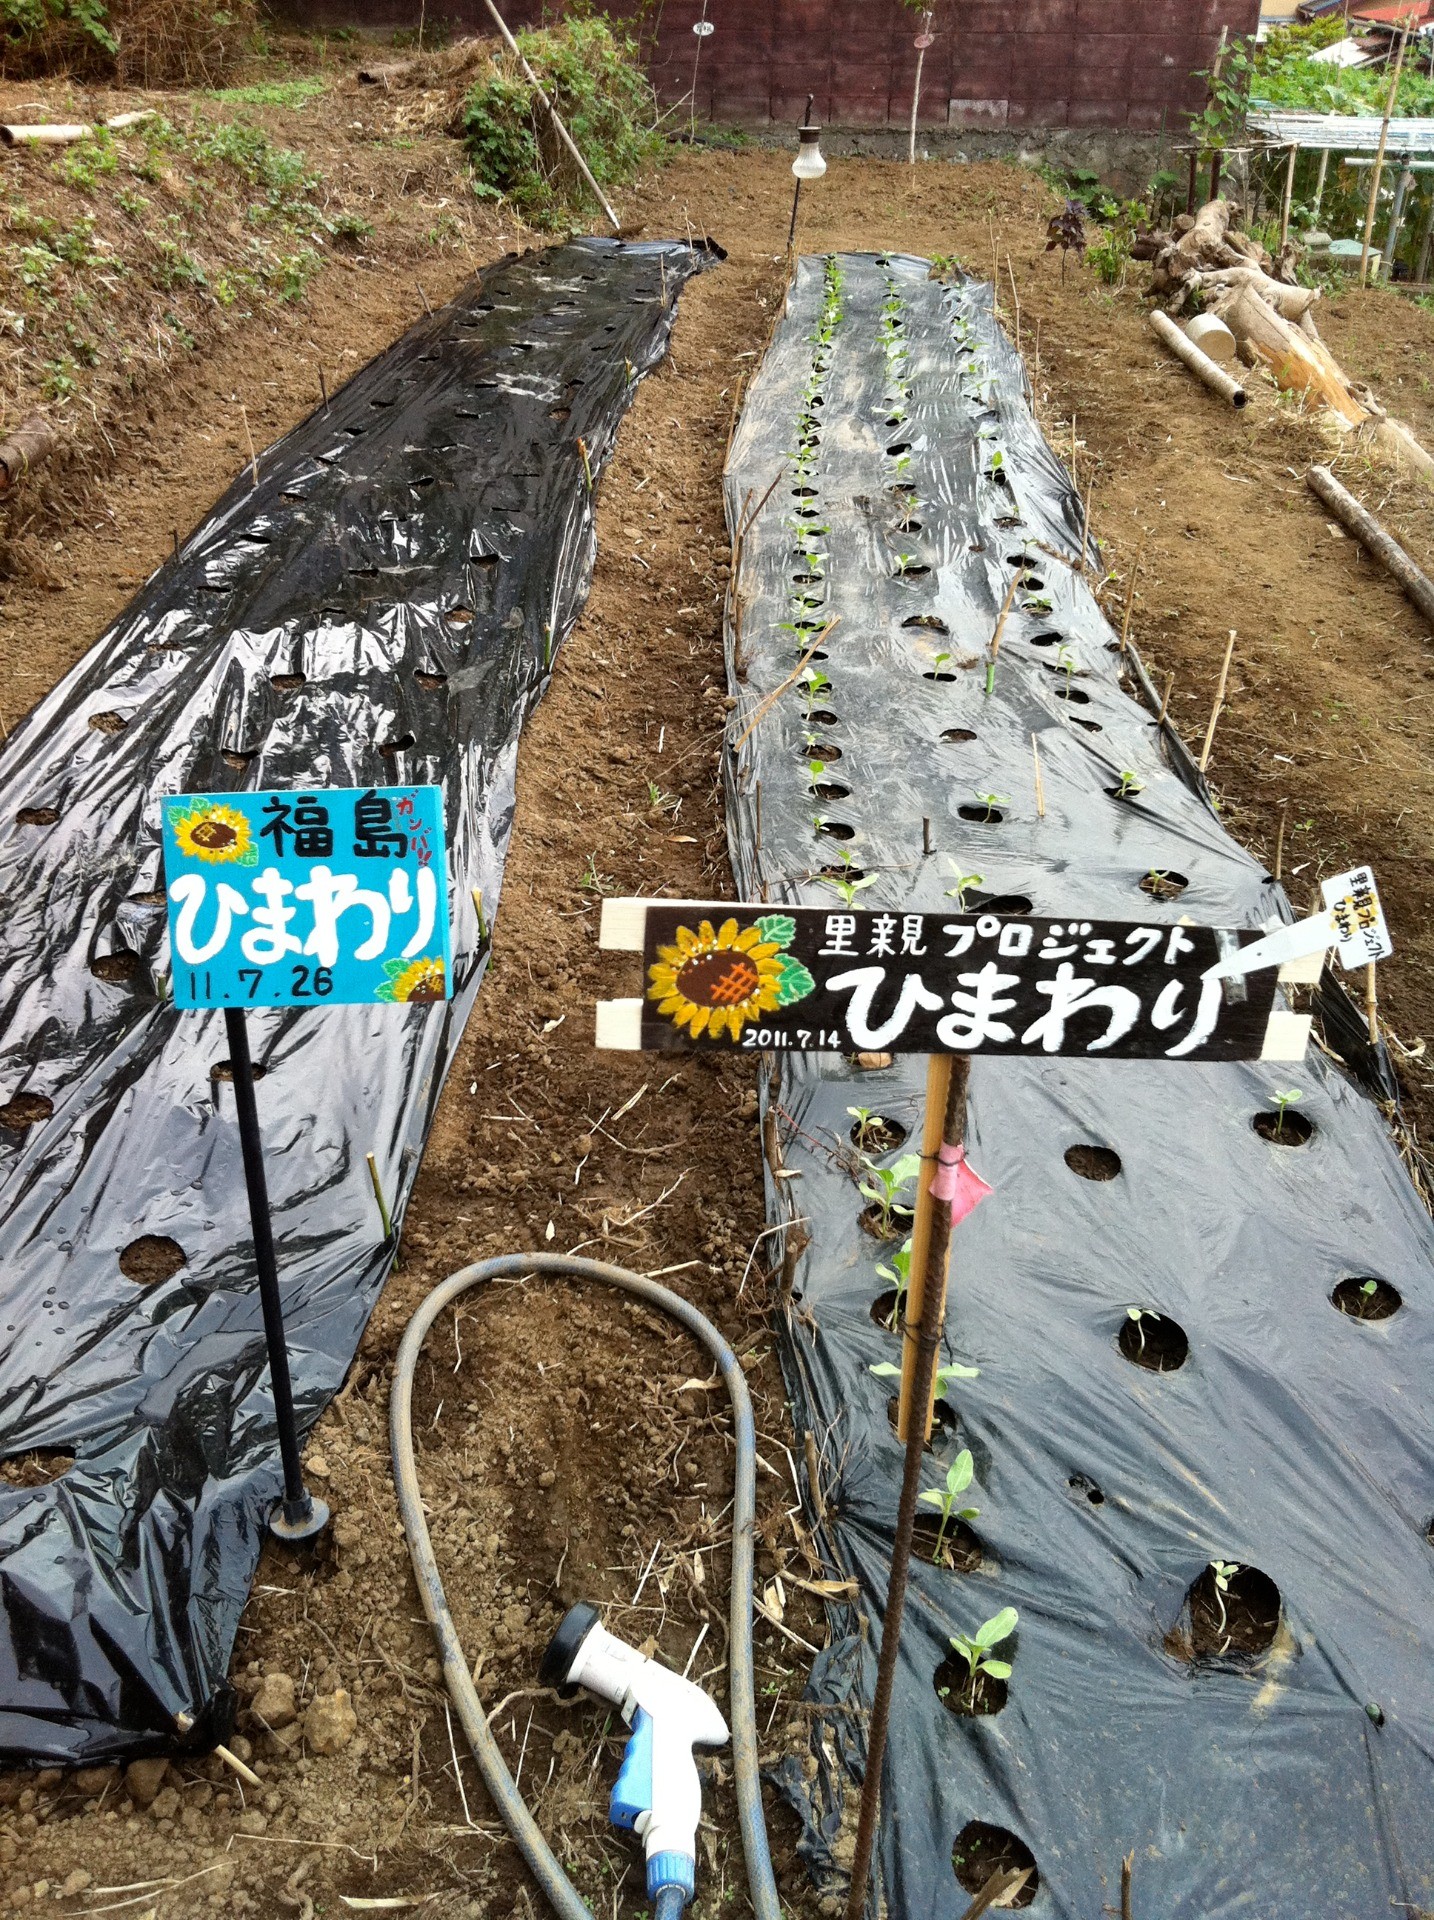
1372	537
30	445
1200	364
1290	303
1299	364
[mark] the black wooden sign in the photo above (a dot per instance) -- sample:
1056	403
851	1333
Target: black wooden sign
809	979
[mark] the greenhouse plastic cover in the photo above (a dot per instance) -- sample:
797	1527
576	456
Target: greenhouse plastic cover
377	602
1293	1784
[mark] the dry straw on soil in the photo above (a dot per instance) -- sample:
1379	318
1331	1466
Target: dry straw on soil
150	43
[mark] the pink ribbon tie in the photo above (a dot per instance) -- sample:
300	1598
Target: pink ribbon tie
958	1183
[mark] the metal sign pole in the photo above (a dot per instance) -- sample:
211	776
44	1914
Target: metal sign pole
298	1516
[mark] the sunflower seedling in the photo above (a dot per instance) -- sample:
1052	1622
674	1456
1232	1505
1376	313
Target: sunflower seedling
958	1477
884	1370
882	1186
865	1120
1130	782
849	889
1223	1572
992	801
899	1274
964	883
1137	1316
1283	1100
976	1649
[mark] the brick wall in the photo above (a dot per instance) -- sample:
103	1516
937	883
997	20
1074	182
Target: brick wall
995	64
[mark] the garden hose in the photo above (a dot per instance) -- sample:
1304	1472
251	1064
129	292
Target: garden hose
562	1895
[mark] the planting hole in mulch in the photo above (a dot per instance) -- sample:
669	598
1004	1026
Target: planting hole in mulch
894	1226
877	1134
829	790
459	616
1082	1484
911	573
942	675
961	1550
836	829
156	897
1285	1128
1093	1163
1091	726
1163	883
152	1258
1075	695
907	526
958	736
808	580
1244	1618
885	1311
431	682
982	1850
959	1694
286	682
1033	584
984	816
116	967
807	752
41	1468
836	872
25	1110
37	816
899	447
1047	640
822	717
235	761
943	1416
402	744
222	1070
1365	1299
108	722
1154	1341
1009	905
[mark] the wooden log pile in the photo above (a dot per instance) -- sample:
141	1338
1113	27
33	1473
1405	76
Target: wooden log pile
1204	263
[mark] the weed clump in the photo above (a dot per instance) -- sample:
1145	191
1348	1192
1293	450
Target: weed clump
143	42
593	78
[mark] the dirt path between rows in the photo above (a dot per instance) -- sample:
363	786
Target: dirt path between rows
568	1449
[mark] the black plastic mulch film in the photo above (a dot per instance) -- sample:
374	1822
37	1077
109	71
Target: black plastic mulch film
380	604
1292	1783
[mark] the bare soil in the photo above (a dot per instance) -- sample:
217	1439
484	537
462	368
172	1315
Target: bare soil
572	1448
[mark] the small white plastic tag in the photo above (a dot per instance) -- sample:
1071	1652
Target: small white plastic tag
1360	928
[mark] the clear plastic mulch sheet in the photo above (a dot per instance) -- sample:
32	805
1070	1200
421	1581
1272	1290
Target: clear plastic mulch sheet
1201	1300
377	601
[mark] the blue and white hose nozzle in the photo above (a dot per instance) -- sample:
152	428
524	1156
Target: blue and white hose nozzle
657	1794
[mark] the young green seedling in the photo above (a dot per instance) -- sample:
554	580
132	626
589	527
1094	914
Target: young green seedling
976	1649
884	1370
1369	1289
1224	1572
883	1185
958	1477
865	1120
991	801
1137	1316
1130	782
899	1274
1283	1100
849	889
1066	660
964	883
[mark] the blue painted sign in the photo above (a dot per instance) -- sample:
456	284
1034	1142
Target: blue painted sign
336	896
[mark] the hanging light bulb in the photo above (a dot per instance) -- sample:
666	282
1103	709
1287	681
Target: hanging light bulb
808	165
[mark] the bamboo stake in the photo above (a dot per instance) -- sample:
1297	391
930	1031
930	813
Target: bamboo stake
1016	299
552	113
1219	703
1003	1885
1371	1004
253	457
1280	839
383	1212
1040	790
1165	703
1319	183
916	86
1289	198
1127	1874
1085	529
1130	600
1377	172
947	1077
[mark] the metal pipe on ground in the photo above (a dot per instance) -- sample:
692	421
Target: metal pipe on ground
1200	364
1380	545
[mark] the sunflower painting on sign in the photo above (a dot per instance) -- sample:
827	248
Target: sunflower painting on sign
715	980
330	897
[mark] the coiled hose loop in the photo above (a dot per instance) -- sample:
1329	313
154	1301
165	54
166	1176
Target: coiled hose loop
542	1862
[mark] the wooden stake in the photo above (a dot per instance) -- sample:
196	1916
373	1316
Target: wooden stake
1003	1884
1280	839
427	307
323	389
1040	790
947	1077
1165	703
1219	703
757	847
1016	298
1289	196
253	457
1085	528
926	837
1371	1004
1127	1872
1130	600
174	536
1377	171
